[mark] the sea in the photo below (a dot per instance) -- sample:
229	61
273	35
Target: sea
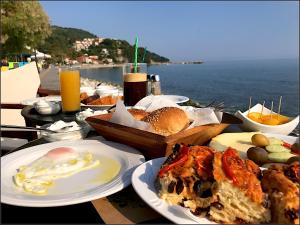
232	82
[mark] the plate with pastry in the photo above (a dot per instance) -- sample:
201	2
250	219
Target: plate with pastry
281	182
196	184
97	101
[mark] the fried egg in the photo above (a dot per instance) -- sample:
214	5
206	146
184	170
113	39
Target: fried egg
38	176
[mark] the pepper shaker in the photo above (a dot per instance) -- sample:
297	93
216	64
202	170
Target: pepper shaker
155	85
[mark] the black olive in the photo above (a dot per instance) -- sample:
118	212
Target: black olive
197	187
207	193
291	214
199	210
176	147
171	186
173	155
217	205
179	186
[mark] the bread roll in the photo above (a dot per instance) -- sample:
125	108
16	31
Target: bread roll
167	120
138	114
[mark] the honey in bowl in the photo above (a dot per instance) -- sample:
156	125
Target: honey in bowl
268	119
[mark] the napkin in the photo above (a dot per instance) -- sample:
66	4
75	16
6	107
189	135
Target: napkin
123	117
202	116
153	102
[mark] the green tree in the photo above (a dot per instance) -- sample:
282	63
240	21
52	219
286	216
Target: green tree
23	23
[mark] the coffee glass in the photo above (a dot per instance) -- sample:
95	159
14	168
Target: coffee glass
70	90
135	83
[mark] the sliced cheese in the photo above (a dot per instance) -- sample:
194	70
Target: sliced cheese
239	141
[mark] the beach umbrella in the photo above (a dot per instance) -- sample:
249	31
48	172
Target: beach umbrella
41	55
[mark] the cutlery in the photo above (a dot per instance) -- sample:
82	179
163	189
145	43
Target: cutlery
110	108
21	128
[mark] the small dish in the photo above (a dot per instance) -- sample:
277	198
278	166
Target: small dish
81	116
47	107
107	91
79	133
251	125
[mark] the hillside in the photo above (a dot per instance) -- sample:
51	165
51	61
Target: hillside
59	46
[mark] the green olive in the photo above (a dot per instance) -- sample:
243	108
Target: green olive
293	159
257	155
260	140
295	148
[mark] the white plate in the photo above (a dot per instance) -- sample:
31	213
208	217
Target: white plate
176	98
55	98
245	145
81	187
143	183
99	107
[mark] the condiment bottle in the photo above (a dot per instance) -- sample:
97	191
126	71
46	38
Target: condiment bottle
149	83
155	85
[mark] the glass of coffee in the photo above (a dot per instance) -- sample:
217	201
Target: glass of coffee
135	83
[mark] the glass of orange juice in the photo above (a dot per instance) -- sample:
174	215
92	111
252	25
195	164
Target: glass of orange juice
70	90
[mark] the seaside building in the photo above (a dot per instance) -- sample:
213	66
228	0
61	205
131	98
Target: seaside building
93	59
78	45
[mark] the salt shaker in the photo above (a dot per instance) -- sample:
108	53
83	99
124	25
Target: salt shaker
155	85
149	83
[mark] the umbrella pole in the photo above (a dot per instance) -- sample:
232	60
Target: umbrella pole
36	61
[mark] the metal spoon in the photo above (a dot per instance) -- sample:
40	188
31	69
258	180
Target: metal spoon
20	128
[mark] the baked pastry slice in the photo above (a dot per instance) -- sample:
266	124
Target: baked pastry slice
281	182
185	178
238	191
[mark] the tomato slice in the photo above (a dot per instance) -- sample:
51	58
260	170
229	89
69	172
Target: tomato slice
180	159
230	159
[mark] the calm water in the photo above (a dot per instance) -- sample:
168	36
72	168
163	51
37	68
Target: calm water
232	82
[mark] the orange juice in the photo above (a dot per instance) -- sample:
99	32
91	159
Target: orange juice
70	90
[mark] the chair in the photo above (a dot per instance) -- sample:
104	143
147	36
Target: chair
17	85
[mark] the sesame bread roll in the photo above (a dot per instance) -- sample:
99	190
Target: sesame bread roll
167	120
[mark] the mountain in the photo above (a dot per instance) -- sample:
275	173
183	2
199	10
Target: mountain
60	45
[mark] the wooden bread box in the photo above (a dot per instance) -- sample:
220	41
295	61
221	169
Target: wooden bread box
153	145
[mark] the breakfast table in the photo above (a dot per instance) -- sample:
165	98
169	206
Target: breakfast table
122	207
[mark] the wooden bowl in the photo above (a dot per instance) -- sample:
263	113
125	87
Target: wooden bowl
154	145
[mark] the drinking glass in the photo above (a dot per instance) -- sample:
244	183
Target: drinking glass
135	83
70	90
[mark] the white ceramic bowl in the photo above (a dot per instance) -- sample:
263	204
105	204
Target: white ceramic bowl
89	90
65	135
250	125
47	107
107	90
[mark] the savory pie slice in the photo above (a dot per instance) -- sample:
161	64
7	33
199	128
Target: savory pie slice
238	191
186	178
281	182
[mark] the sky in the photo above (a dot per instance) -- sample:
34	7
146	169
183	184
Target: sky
190	31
